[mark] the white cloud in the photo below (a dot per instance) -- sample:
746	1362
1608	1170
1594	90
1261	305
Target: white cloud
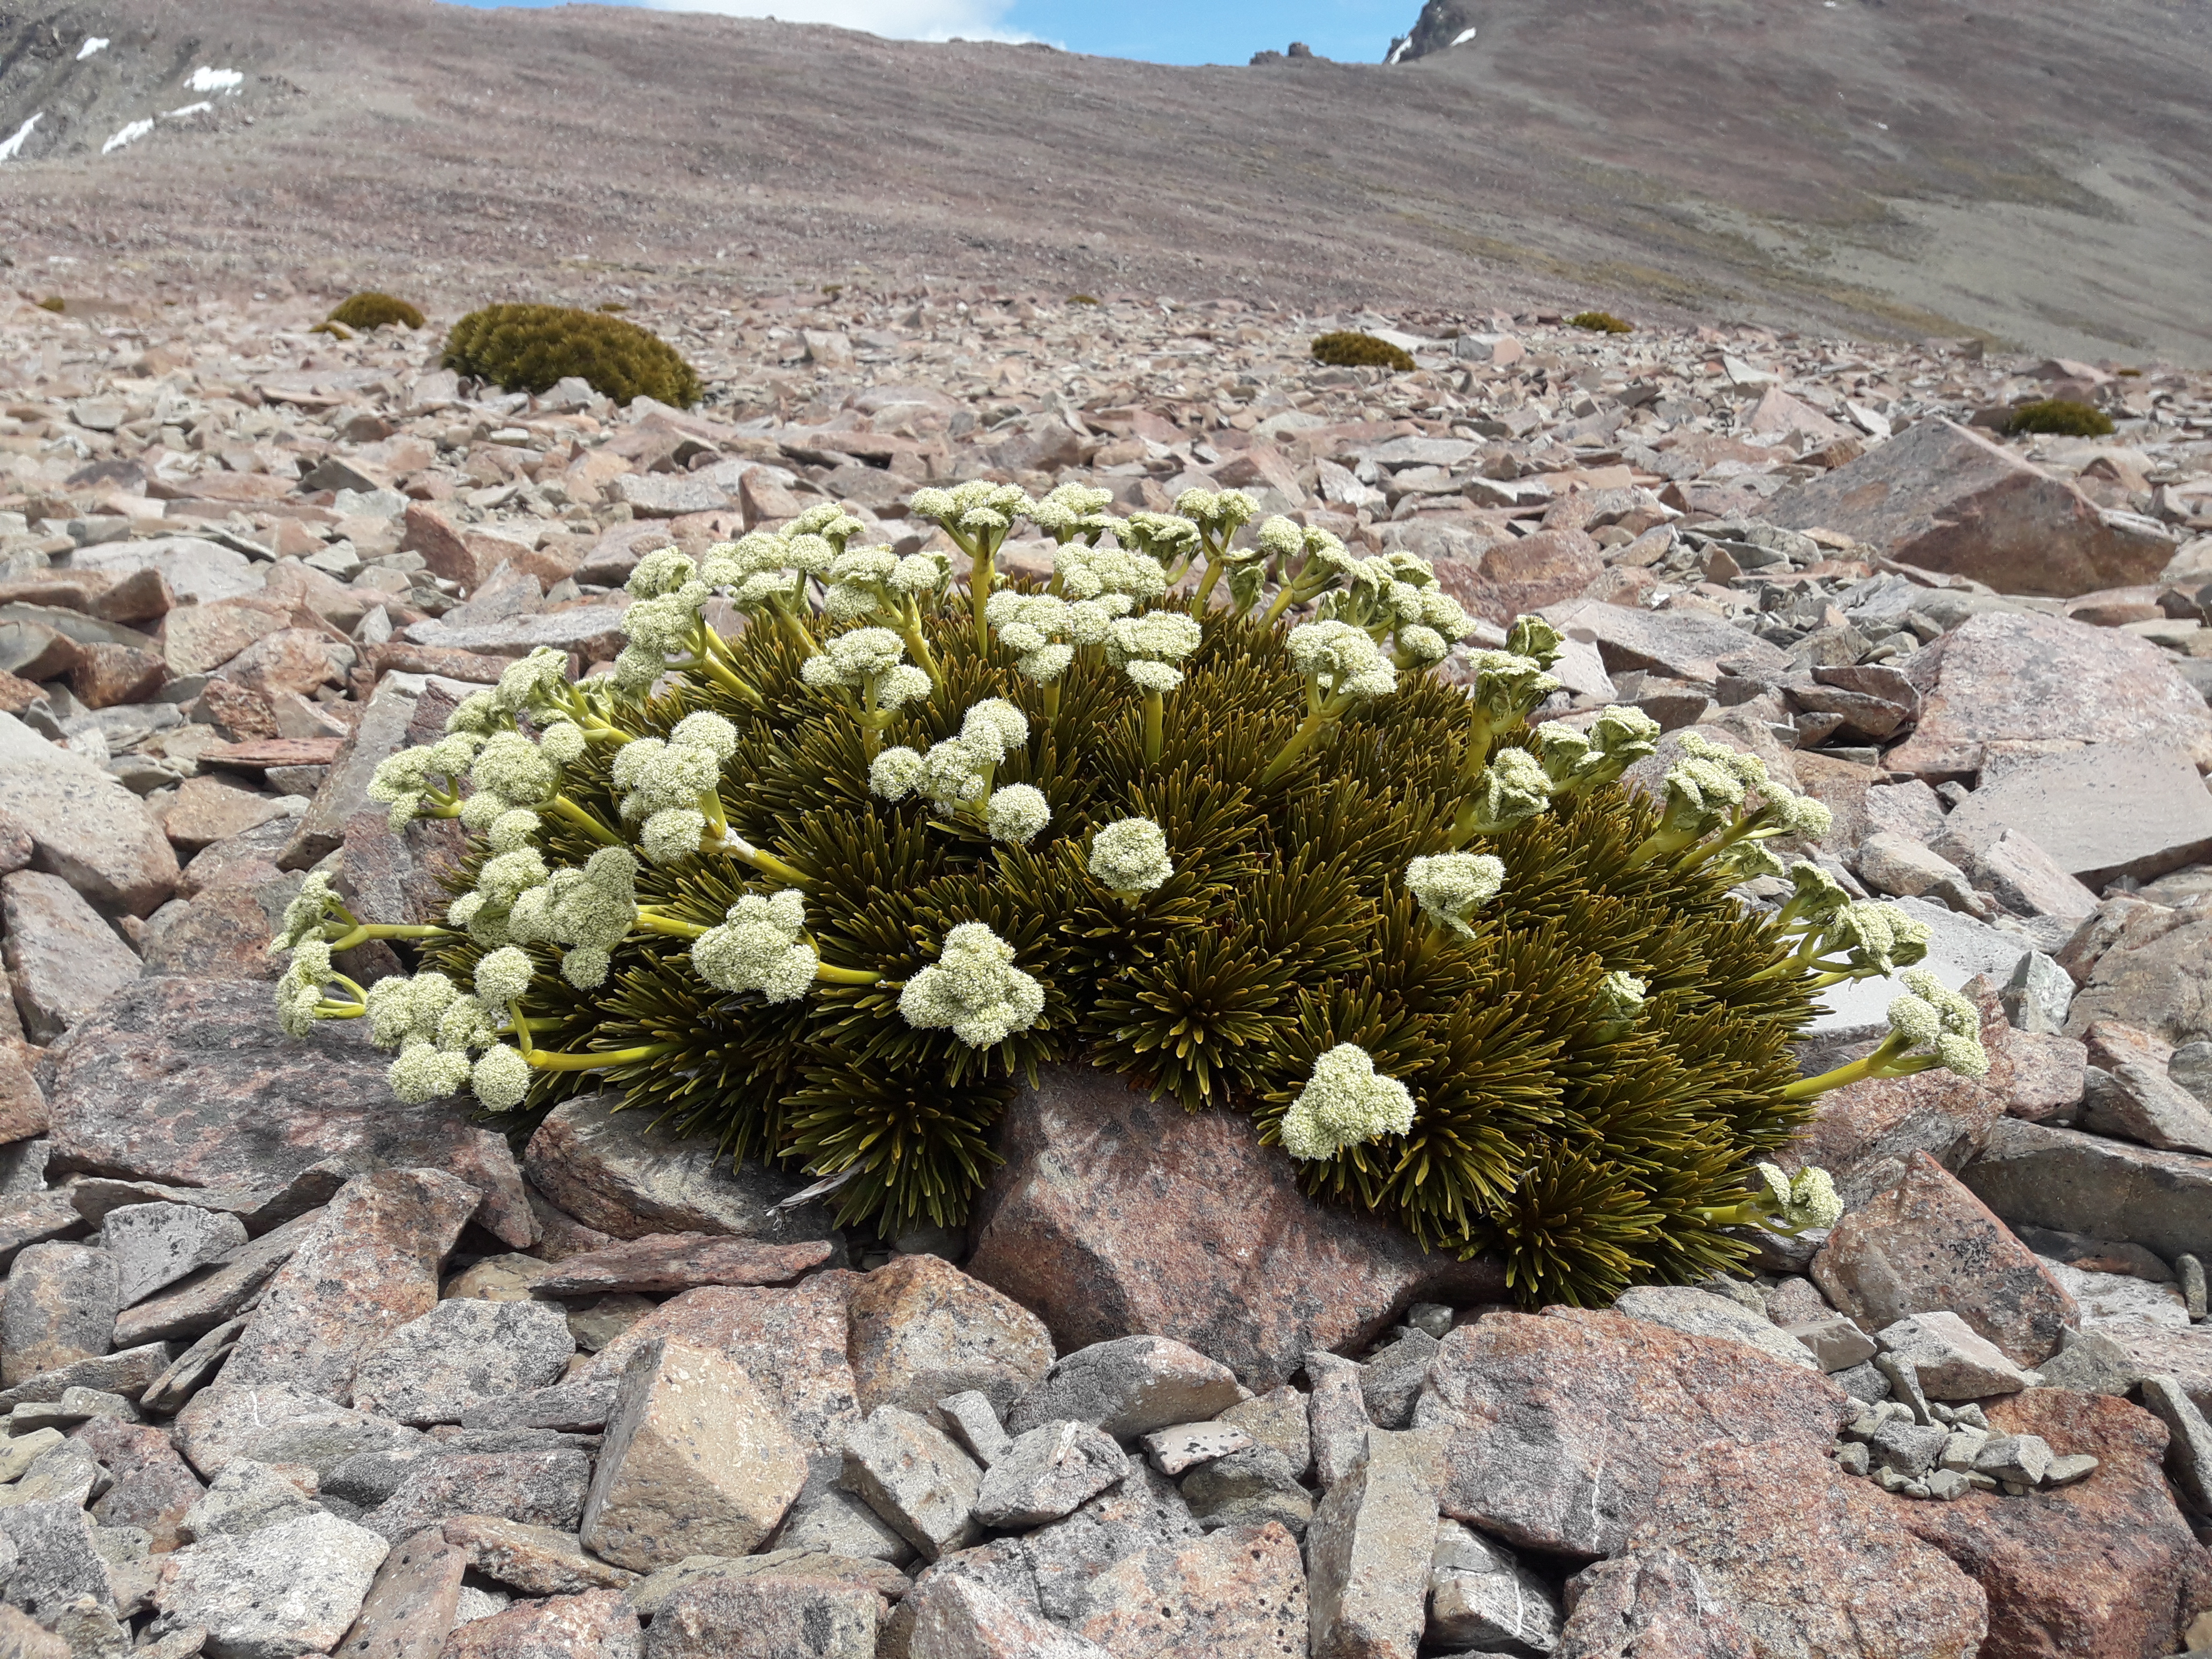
895	19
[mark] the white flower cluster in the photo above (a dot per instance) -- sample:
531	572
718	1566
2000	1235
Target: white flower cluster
1344	1103
586	912
1045	630
1218	514
1128	574
956	774
504	767
437	1027
979	512
974	988
1710	784
870	661
1620	998
1342	660
1074	512
1450	887
663	618
1876	938
1616	740
1806	1200
664	784
1147	648
1935	1019
865	581
1512	789
1508	684
299	991
1130	855
761	945
315	902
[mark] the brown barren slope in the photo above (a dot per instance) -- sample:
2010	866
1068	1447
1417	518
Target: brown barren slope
2036	175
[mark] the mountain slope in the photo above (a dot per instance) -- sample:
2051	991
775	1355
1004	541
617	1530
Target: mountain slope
1705	158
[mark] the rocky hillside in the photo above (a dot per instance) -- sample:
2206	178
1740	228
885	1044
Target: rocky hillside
1894	169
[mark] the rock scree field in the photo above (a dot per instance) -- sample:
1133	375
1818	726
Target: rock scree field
1051	858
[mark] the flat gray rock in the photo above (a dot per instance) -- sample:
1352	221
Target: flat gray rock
1698	1313
911	1474
63	959
287	1590
459	1354
1048	1473
84	826
155	1245
1129	1387
55	1558
2049	1176
2117	809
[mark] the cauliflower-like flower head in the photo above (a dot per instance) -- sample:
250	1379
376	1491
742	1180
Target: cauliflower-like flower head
1936	1019
535	680
974	989
515	769
1513	789
1342	660
499	1078
1450	887
1015	813
1090	573
315	903
761	945
1620	998
503	975
300	992
1508	685
1130	855
1803	1200
896	773
1346	1103
664	570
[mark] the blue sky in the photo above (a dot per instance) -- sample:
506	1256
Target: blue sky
1162	31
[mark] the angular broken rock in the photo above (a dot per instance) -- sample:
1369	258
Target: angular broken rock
194	1082
157	1244
653	1595
2040	1174
2032	1553
58	1308
543	1488
1951	1360
63	959
1390	1379
127	1373
1172	1451
1239	1593
1480	1595
698	1460
1371	1547
2117	809
661	1262
1052	1470
596	1624
1946	497
2139	1102
973	1421
1564	1424
53	1547
208	1297
291	1589
963	1619
412	1604
1929	1244
612	1171
245	1498
535	1560
1698	1313
721	1616
85	827
371	1266
573	1407
912	1474
461	1353
1337	1421
1128	1387
1278	1420
1652	1601
153	1487
921	1329
1114	1213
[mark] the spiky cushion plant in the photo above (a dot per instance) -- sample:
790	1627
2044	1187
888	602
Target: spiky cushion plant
1197	812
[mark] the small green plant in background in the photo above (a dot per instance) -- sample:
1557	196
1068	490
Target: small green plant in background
527	348
615	308
52	302
1083	299
2059	417
1347	348
370	309
1600	322
827	890
335	331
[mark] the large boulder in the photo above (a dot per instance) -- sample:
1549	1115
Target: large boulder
2105	1566
2120	809
2040	1174
1116	1215
1564	1424
1946	498
2005	685
194	1084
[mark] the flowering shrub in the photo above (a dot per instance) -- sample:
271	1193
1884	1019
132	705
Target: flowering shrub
1197	810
